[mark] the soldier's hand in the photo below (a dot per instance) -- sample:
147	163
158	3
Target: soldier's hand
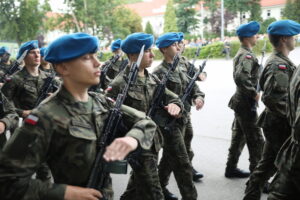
173	109
1	84
2	127
26	113
202	76
120	148
80	193
257	97
199	103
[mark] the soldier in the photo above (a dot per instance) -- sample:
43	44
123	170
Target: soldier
243	102
45	66
274	83
63	131
144	181
4	61
175	157
188	132
8	118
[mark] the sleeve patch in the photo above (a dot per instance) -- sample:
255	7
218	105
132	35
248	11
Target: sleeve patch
248	56
282	67
32	120
108	89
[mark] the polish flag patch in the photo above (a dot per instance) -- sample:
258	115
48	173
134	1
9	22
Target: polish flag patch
32	120
282	67
108	89
110	99
248	56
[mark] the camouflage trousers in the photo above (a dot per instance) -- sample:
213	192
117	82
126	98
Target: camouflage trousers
245	131
144	181
188	136
275	136
175	158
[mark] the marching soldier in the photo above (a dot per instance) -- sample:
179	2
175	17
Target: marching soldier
64	129
274	82
243	102
45	66
175	157
4	61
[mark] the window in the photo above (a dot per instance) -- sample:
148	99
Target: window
268	13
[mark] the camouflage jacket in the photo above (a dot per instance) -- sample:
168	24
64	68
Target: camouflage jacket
140	96
177	83
114	70
274	83
23	89
245	75
186	67
62	132
8	113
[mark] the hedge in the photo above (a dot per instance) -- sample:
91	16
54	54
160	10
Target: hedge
215	50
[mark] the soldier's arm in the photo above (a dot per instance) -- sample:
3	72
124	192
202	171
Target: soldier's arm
171	97
242	77
10	118
115	87
21	157
275	88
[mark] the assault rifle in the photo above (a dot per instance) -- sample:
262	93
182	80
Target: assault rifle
160	89
105	69
47	87
14	68
188	90
100	168
192	65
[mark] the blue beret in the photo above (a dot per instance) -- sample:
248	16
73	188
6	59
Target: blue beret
42	51
4	50
71	46
248	30
33	44
116	45
134	42
181	35
167	39
284	27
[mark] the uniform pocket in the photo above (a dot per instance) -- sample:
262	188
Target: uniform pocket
82	130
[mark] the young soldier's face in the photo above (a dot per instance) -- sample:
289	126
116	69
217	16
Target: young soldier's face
5	57
84	70
253	40
33	58
147	58
171	50
290	42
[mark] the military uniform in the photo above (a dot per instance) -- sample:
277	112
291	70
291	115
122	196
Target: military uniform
63	133
274	83
175	157
8	116
244	128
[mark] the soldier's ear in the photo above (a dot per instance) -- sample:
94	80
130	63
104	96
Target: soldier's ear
61	69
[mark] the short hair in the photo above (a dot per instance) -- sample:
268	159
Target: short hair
241	38
274	39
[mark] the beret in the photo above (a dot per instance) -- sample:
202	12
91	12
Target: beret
181	35
167	39
71	46
284	27
116	45
42	51
248	30
4	50
134	42
33	44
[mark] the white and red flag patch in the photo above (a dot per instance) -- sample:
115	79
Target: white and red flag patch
108	89
282	67
32	120
248	56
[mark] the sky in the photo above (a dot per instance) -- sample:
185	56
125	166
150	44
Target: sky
57	5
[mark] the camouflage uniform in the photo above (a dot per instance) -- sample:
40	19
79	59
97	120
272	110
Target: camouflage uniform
285	185
175	157
144	181
274	82
23	89
64	135
244	128
8	116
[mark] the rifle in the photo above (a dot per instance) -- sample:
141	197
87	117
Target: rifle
46	89
123	65
192	65
14	68
160	89
100	168
188	90
106	67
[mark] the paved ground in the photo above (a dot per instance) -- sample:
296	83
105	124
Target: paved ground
212	137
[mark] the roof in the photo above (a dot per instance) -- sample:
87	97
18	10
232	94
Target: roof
266	3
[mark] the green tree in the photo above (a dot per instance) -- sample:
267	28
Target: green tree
186	15
22	20
292	10
148	28
238	7
255	11
170	21
264	25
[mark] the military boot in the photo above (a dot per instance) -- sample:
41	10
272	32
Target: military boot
197	175
236	173
168	195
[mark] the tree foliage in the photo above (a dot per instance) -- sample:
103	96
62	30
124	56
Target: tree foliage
292	10
148	28
255	11
264	25
186	15
22	20
170	21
